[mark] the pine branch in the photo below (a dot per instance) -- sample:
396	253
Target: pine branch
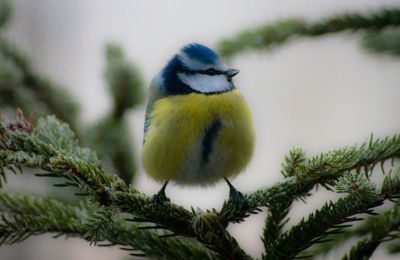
110	136
157	245
124	80
21	86
316	227
275	34
274	223
330	219
386	41
52	99
95	225
5	12
332	241
212	233
382	228
292	161
394	247
363	250
119	215
327	220
63	158
382	223
51	147
278	211
11	94
322	169
144	209
24	216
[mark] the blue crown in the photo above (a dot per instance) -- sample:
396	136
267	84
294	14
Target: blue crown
200	52
171	83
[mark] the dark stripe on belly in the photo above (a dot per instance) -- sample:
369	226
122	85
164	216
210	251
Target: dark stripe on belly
209	137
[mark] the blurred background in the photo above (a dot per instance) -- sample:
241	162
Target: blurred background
315	93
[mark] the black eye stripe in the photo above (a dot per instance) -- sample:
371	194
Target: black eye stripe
187	71
210	72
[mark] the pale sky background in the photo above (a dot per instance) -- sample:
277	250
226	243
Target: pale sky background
317	94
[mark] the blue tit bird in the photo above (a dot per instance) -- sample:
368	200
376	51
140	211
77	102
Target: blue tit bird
198	128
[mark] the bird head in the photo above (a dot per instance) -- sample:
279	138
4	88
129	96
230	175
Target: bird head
196	68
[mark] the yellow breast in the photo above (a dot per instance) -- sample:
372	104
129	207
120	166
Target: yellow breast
173	142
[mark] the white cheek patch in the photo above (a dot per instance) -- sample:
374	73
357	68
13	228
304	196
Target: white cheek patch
206	83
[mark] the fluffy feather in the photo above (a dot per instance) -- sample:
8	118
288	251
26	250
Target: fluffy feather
198	128
173	147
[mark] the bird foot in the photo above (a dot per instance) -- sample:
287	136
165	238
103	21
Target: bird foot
234	195
161	198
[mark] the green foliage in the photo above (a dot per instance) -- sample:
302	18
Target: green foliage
275	34
363	250
321	169
114	213
268	36
111	139
209	230
110	136
274	223
356	184
58	136
382	228
23	216
385	41
51	146
5	12
329	219
295	158
279	209
21	86
124	80
374	230
10	81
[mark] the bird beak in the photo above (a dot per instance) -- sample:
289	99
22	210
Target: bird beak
230	73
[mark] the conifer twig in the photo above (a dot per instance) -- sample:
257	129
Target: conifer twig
23	216
64	158
320	169
273	35
384	41
54	99
382	228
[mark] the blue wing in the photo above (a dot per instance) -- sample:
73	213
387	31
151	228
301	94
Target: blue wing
155	94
